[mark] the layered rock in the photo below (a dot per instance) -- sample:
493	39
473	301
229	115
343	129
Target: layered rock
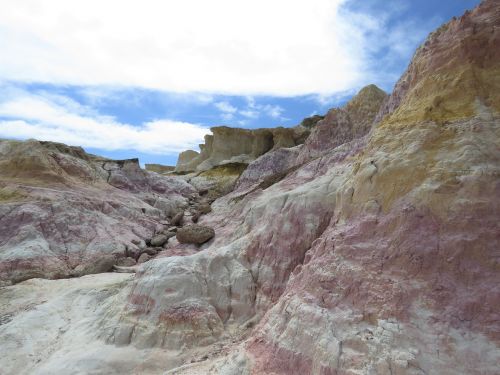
395	278
235	145
341	126
67	213
454	74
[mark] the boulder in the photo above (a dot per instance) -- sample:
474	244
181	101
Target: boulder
159	240
196	234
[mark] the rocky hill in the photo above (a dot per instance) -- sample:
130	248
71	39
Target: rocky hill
364	243
66	213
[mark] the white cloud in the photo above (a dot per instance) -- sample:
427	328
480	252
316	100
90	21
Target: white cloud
249	113
58	118
255	110
252	111
279	47
225	107
274	111
228	111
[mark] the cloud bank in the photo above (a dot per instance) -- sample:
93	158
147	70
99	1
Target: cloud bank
279	47
57	118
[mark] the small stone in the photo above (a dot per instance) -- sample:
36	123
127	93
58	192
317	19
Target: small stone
195	217
151	251
195	233
132	252
159	228
139	243
126	262
205	208
144	258
178	218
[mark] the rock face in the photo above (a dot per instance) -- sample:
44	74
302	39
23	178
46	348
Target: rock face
188	160
371	251
234	145
218	181
342	125
448	84
64	212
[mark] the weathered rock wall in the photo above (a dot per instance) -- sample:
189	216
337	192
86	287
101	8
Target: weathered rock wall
235	145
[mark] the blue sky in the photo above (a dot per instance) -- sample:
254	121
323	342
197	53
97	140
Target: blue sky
148	79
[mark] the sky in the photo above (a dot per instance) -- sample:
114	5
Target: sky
148	78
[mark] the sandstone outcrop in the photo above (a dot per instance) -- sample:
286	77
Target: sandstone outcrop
234	145
373	250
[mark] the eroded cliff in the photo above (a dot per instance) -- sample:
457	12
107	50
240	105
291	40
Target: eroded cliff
234	145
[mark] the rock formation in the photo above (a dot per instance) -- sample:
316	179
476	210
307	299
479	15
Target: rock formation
371	248
235	145
66	213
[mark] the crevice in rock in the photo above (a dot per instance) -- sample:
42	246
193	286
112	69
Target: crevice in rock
372	162
103	166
